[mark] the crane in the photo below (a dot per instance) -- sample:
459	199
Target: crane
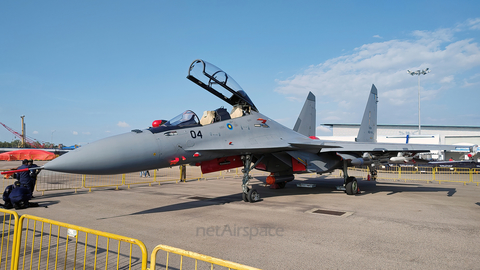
30	141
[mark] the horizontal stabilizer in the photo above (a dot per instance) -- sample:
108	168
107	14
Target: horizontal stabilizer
388	147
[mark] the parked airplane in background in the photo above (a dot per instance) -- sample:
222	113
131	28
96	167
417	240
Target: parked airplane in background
368	133
220	140
72	147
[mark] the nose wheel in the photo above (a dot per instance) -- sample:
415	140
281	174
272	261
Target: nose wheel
251	196
248	195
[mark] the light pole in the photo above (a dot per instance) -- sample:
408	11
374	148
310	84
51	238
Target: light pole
51	141
419	72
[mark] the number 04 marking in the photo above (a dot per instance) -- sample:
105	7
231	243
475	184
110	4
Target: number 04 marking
196	134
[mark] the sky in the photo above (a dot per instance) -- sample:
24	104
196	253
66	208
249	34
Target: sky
84	70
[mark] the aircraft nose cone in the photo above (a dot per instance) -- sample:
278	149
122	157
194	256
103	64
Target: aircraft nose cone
129	152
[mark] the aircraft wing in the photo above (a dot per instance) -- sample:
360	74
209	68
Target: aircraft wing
262	145
387	147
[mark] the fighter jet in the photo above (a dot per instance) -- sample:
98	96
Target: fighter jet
220	140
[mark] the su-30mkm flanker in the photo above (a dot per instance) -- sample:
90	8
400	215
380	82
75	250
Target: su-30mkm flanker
219	140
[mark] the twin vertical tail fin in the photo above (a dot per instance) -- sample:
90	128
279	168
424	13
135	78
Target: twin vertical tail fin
368	128
307	119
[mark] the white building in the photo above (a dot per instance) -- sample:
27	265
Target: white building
462	135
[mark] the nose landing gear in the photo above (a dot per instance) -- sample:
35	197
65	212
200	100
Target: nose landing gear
248	195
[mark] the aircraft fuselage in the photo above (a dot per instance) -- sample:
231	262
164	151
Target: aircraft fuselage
144	150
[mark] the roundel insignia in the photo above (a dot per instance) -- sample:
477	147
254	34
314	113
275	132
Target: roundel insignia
229	126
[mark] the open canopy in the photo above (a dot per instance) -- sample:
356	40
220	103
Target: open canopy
216	81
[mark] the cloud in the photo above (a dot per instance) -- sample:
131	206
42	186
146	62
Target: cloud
75	133
346	80
35	132
447	79
377	36
123	124
86	133
474	24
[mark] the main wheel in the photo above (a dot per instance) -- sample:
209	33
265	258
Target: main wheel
351	187
253	196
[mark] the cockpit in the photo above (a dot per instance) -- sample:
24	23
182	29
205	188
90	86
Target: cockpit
186	119
189	119
216	81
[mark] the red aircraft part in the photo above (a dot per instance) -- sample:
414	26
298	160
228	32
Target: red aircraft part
15	171
272	179
297	166
261	166
220	164
157	123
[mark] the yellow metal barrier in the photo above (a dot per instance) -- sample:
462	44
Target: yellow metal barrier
6	181
49	180
135	178
389	173
198	260
212	175
358	172
430	174
192	173
475	175
96	181
168	174
8	247
416	174
49	244
462	175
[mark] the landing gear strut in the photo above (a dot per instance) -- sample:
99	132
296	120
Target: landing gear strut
248	195
373	173
349	182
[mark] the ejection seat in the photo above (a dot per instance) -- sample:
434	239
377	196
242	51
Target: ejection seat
237	111
208	117
218	115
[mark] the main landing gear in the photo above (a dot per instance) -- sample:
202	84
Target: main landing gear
350	183
373	173
248	195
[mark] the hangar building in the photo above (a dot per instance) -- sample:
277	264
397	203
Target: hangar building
462	135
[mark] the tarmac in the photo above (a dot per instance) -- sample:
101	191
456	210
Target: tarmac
389	225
